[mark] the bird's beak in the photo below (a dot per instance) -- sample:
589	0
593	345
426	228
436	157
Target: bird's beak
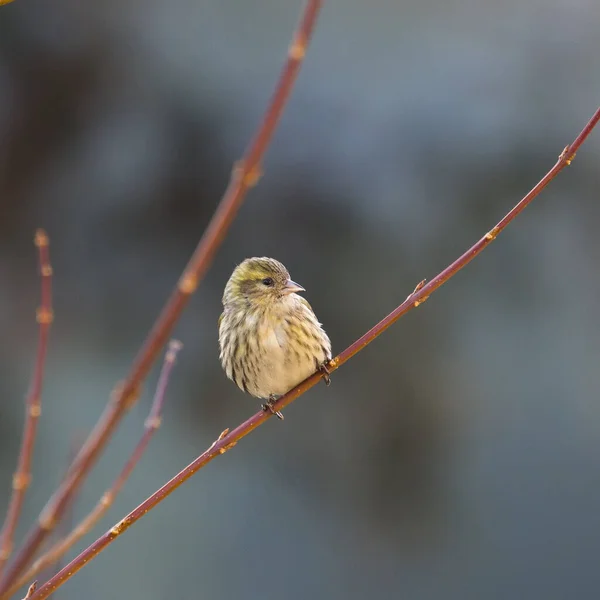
292	286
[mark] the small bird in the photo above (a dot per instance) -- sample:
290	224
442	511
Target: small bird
269	336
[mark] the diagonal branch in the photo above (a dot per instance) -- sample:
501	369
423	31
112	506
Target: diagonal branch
228	439
152	424
66	523
33	403
245	175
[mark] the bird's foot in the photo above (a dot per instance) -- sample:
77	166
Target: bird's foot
326	373
268	407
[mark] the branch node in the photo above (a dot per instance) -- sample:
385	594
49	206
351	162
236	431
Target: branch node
568	159
35	409
174	347
31	590
116	396
221	436
153	422
421	301
333	364
21	481
118	528
492	234
249	176
297	49
41	239
418	287
44	316
187	284
107	498
47	521
227	447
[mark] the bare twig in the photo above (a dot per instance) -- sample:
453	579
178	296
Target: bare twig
33	403
151	426
245	175
66	523
228	439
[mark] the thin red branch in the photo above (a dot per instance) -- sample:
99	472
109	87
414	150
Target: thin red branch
66	523
151	426
245	175
33	403
228	439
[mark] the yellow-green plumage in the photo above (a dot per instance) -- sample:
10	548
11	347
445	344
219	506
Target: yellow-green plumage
270	339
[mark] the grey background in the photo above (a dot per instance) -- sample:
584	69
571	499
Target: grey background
458	456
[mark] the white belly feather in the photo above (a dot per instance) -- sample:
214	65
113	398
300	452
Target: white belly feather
280	369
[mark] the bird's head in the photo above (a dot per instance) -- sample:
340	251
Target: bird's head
259	282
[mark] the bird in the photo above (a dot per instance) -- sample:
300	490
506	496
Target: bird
269	337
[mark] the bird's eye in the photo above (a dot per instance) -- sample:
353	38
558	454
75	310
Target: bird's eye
268	281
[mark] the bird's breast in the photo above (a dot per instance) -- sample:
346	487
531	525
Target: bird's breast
280	368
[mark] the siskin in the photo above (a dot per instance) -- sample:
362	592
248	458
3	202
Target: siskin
270	338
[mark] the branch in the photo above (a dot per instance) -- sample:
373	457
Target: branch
246	174
228	439
66	523
33	403
152	424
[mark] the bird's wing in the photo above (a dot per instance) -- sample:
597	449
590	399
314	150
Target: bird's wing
220	319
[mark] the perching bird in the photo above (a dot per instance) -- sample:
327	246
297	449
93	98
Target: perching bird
270	339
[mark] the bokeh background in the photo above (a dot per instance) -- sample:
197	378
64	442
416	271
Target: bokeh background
456	457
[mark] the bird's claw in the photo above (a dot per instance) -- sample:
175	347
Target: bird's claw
326	374
268	407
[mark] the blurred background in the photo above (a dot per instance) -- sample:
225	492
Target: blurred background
456	457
